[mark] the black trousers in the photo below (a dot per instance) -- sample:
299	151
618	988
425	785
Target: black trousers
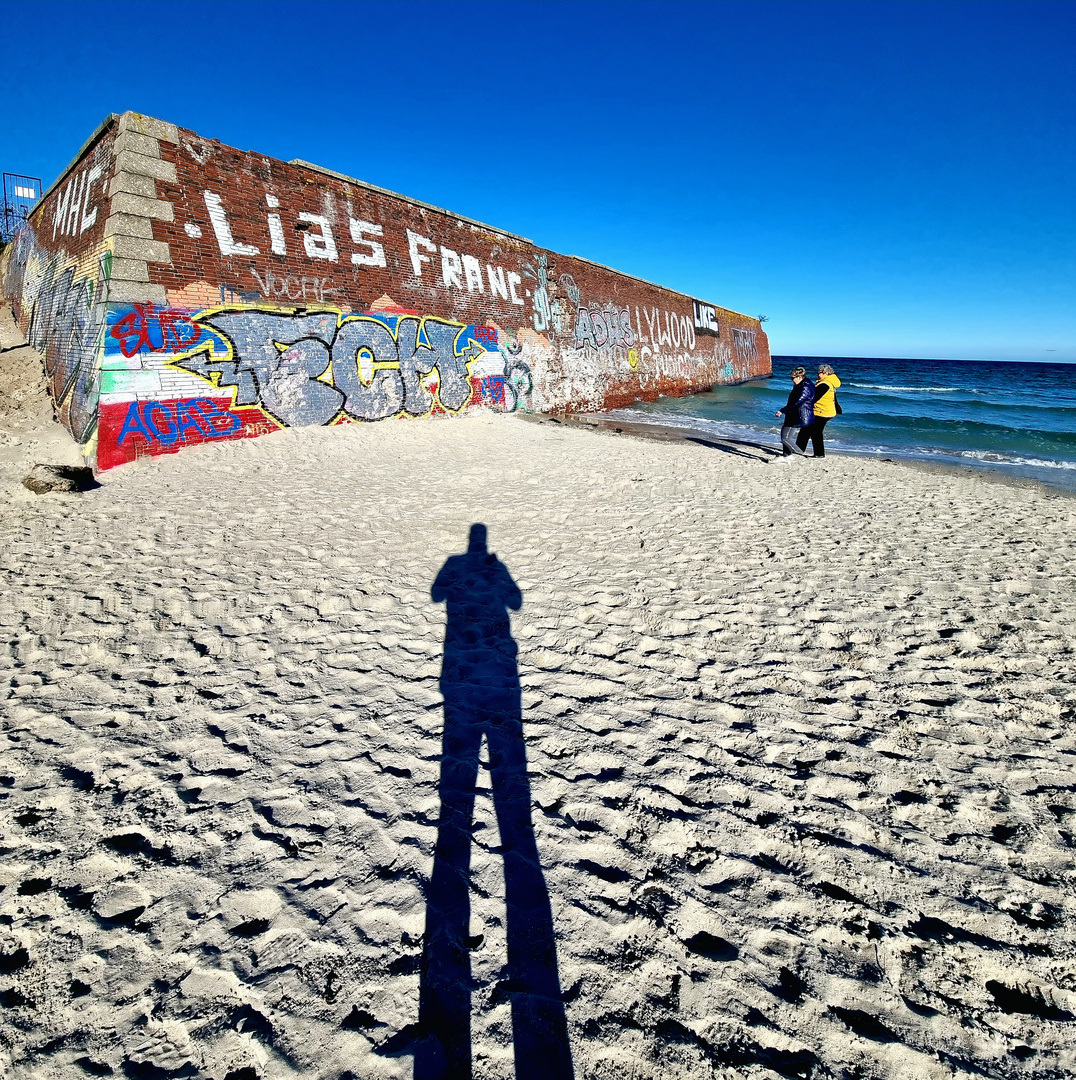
813	432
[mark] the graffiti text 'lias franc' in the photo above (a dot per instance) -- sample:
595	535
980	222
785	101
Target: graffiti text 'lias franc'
457	271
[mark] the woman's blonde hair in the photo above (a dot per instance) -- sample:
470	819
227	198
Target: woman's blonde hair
798	371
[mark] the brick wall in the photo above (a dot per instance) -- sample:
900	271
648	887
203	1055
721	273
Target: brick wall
240	294
52	273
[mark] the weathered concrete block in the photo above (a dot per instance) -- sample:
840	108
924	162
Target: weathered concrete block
129	270
148	125
129	225
135	247
124	202
158	168
134	183
136	143
135	292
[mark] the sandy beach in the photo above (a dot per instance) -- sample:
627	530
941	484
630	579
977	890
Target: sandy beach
799	744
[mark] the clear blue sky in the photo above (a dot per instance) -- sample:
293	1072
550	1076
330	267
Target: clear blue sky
880	179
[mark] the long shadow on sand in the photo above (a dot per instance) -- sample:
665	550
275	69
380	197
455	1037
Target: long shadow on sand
730	446
480	684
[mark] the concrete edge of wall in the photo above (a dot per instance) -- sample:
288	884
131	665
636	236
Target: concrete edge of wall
134	206
133	202
300	163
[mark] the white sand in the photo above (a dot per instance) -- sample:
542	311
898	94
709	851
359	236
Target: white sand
822	713
27	433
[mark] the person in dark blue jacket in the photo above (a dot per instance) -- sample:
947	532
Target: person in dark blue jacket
798	412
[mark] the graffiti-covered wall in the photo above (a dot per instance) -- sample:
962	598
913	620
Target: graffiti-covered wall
55	272
234	294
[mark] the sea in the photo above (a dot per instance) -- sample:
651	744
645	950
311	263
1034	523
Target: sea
1016	419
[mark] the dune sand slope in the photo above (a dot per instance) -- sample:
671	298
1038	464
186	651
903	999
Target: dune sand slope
28	434
800	745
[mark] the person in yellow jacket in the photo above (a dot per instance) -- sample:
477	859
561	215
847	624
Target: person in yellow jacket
826	407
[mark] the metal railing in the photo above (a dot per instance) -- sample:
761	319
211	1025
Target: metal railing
21	195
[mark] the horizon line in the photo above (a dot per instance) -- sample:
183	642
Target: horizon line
924	359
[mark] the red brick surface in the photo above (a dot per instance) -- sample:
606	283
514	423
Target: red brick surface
243	180
134	320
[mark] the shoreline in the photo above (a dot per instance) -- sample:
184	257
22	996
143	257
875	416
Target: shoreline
767	451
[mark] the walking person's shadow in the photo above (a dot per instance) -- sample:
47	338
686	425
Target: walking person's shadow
480	684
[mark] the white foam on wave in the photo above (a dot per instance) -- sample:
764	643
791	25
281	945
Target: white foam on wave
998	459
984	457
728	430
914	389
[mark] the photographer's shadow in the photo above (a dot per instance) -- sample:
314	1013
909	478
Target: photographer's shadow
480	684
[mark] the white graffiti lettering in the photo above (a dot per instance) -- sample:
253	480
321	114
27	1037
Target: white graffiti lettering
73	212
706	319
460	271
472	272
451	268
276	228
746	347
320	245
414	242
222	230
497	286
376	256
513	281
294	288
607	328
678	329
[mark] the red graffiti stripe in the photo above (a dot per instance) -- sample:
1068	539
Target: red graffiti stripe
131	430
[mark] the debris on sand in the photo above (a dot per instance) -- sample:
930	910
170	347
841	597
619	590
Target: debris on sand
45	478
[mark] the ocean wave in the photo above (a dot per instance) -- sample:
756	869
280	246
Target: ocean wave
964	427
951	408
913	389
991	458
984	457
750	433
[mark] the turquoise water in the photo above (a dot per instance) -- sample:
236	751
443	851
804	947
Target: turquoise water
1015	418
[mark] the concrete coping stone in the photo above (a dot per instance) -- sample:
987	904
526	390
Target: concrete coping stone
142	248
472	221
129	270
138	143
135	183
148	125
